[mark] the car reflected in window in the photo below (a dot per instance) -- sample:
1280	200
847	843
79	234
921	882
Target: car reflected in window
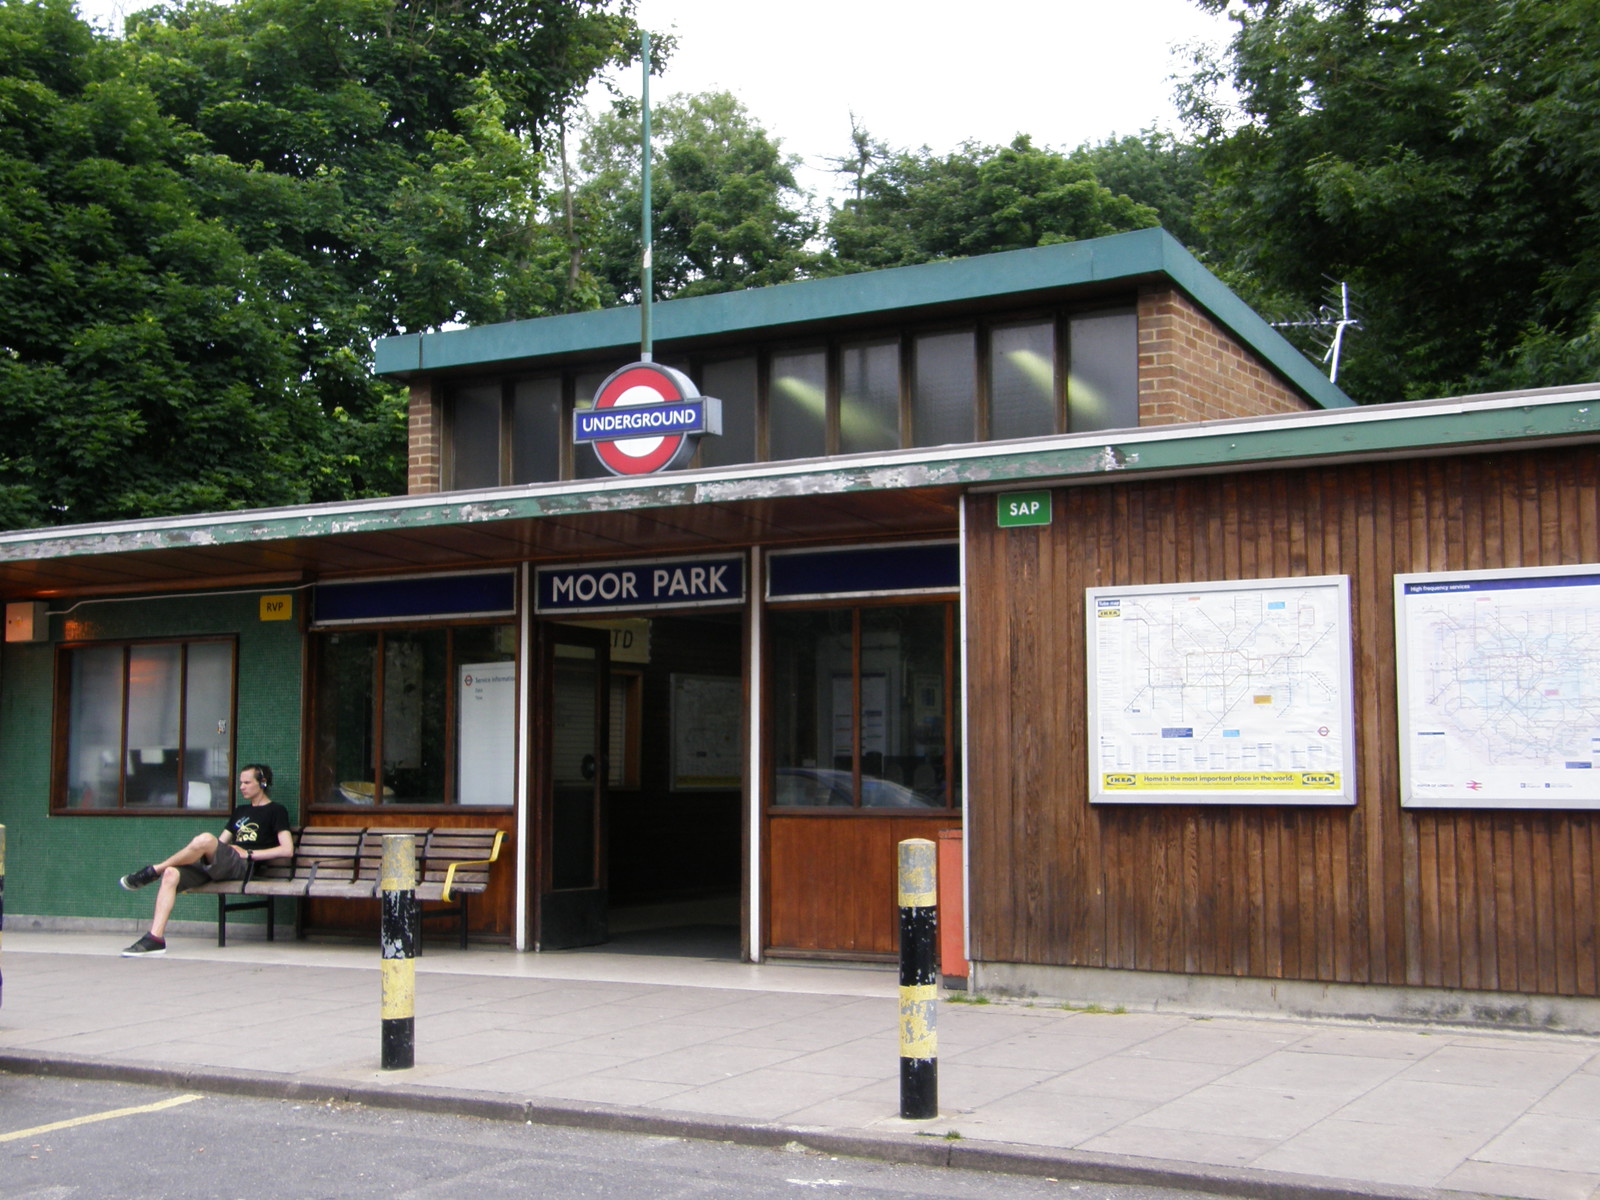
815	787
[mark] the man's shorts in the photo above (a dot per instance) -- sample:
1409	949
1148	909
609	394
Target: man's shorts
227	864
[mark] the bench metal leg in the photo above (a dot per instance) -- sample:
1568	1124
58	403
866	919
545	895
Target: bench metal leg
222	920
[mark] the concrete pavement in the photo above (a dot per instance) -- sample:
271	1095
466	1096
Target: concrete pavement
768	1054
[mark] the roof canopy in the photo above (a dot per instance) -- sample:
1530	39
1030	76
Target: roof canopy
906	492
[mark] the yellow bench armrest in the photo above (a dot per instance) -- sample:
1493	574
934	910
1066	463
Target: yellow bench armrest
494	854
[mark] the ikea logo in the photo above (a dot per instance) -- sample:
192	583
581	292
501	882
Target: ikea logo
1121	780
1318	779
1109	612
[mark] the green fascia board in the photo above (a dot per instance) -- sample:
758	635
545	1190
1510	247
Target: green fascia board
1559	416
1143	253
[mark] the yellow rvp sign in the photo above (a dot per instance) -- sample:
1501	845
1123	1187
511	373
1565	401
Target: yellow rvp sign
277	608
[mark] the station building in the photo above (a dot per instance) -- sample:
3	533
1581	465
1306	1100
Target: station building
1062	556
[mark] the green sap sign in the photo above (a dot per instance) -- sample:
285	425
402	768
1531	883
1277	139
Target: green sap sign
1024	508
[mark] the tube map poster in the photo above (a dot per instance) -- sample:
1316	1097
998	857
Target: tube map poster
1221	693
1499	688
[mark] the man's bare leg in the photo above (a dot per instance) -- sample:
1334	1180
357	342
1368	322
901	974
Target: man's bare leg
203	845
201	848
166	897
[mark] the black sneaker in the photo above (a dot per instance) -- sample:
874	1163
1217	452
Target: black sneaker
143	877
146	947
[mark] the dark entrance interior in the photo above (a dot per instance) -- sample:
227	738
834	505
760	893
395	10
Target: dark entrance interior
675	801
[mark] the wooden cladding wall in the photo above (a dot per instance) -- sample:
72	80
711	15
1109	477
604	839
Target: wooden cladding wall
832	881
1496	900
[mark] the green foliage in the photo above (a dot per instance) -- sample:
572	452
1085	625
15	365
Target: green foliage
914	207
725	209
134	333
1158	171
204	226
1443	156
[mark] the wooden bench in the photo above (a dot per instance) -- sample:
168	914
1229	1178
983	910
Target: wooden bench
335	863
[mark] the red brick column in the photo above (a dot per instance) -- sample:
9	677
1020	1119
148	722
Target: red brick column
1191	369
424	439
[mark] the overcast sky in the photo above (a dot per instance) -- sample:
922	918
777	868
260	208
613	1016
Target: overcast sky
935	73
921	73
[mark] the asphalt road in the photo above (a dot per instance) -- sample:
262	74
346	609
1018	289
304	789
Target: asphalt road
62	1139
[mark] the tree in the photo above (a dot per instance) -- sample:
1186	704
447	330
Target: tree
725	208
135	334
913	207
383	160
1158	171
211	220
1442	156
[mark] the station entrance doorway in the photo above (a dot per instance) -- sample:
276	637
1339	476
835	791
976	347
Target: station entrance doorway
640	804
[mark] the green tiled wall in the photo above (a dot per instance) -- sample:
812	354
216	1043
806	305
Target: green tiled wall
67	866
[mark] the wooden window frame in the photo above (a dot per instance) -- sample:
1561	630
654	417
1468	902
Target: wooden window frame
317	802
953	801
61	732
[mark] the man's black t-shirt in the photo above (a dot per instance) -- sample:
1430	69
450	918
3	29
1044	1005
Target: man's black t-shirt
257	826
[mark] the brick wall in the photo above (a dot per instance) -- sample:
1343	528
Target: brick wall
1191	369
424	441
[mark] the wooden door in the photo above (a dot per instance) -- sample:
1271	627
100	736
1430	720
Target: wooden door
573	894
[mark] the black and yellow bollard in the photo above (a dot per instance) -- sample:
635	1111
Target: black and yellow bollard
398	931
919	980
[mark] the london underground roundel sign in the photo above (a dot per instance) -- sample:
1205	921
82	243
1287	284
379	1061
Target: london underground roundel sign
646	418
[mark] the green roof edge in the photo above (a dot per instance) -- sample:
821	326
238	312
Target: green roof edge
1492	423
1142	253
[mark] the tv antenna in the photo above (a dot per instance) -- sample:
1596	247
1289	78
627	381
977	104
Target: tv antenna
1326	318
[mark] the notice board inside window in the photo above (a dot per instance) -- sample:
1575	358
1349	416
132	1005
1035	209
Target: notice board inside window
707	718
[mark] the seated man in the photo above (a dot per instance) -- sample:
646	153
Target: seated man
258	830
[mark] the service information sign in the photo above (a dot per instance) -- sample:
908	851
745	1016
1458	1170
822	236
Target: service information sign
1499	688
486	732
1221	693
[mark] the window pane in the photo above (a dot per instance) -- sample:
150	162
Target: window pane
94	728
1103	388
486	712
903	762
944	398
208	717
347	672
585	462
415	680
797	405
813	709
475	437
1022	368
536	430
869	397
155	697
734	383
